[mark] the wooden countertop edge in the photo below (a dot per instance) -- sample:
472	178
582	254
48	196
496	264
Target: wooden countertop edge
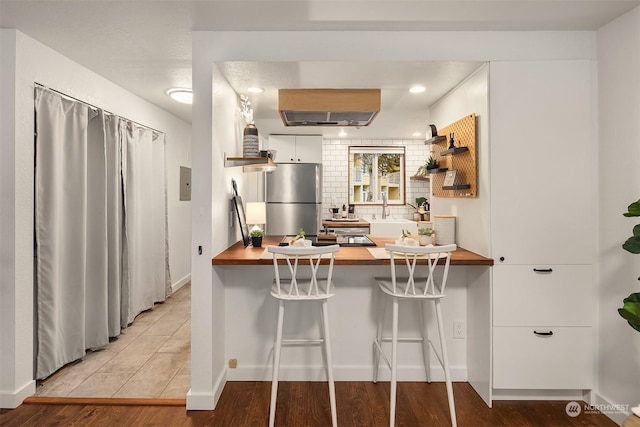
238	255
373	261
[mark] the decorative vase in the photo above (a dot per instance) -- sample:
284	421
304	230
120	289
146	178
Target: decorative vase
256	241
445	226
250	145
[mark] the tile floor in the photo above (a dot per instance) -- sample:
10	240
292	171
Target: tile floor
150	359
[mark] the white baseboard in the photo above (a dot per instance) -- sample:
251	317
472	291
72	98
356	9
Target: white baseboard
610	409
505	394
180	283
341	373
219	386
207	401
15	399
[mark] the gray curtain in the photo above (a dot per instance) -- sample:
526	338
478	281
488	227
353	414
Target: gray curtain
145	252
91	258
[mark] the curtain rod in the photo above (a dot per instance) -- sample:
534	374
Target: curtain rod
97	108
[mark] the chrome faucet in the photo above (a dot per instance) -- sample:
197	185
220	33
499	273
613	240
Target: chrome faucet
384	205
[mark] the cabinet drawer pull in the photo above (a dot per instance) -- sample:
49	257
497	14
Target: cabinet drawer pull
543	270
543	334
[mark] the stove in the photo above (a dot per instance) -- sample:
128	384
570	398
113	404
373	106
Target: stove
342	240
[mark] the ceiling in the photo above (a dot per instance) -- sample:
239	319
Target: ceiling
145	45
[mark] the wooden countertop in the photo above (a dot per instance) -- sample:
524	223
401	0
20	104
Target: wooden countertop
237	254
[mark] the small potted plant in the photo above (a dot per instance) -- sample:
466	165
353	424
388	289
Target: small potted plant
256	237
407	239
419	208
426	235
432	164
300	240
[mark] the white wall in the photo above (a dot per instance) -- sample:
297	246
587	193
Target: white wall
35	62
619	185
472	214
217	131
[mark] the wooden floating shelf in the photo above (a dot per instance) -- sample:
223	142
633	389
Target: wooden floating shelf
250	162
421	177
457	187
454	150
437	170
435	139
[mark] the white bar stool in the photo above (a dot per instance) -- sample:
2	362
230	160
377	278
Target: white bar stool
296	289
413	287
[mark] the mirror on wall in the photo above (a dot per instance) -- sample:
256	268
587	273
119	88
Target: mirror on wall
375	172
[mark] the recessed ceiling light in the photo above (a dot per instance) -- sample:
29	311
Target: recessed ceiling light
255	90
417	89
342	133
182	95
417	133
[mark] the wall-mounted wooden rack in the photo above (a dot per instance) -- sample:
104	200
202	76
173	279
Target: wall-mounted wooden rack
462	158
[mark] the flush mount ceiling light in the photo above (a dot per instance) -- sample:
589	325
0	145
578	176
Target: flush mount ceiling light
182	95
255	90
417	89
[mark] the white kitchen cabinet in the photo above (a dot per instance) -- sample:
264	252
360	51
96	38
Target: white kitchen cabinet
297	148
542	217
547	295
542	162
537	357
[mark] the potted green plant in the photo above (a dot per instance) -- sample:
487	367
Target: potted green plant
419	208
630	311
432	164
256	237
426	235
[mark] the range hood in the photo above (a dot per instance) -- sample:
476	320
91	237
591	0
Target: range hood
328	107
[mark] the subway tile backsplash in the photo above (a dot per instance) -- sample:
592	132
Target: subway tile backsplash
335	182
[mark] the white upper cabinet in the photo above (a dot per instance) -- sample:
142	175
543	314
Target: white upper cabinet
543	170
296	148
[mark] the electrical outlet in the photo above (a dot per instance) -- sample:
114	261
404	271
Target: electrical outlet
233	363
458	329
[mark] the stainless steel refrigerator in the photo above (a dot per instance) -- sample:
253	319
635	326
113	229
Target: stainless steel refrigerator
294	198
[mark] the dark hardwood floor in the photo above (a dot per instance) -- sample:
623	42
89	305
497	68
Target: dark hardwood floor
306	404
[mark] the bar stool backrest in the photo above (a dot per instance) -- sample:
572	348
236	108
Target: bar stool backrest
299	260
411	255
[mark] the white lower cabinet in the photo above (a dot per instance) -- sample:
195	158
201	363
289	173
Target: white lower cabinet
542	327
546	295
525	359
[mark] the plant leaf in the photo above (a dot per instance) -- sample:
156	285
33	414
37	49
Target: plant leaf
633	209
632	245
630	311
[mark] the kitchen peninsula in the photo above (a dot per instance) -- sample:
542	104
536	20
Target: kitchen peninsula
239	255
250	317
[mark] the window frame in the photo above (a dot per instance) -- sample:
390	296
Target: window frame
376	183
